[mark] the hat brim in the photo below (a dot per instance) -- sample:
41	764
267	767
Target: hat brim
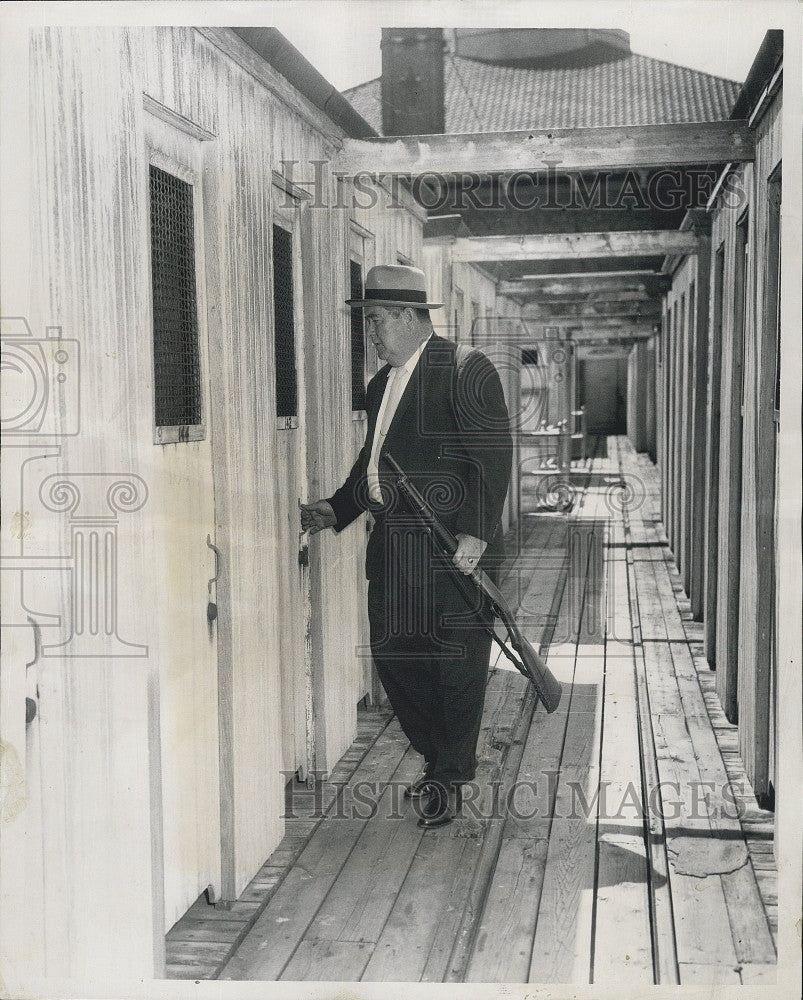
359	303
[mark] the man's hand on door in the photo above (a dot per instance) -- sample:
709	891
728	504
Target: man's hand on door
316	516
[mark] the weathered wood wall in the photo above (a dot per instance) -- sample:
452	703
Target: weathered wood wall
757	583
687	305
718	439
173	747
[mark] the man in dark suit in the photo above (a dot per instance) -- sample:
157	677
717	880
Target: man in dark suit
439	409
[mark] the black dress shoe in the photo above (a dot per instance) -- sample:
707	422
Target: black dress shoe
418	788
440	806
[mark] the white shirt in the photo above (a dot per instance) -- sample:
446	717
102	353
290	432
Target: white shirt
402	374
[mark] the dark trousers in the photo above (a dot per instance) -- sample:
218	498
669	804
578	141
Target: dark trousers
434	670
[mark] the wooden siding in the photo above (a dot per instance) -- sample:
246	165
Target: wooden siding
718	444
730	429
684	523
162	734
758	555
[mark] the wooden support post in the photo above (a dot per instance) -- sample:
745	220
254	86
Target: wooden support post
730	477
660	407
712	459
650	405
670	421
689	379
699	439
677	418
758	582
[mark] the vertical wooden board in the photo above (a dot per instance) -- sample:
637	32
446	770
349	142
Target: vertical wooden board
273	939
692	974
562	941
97	161
622	944
404	945
698	900
480	825
677	433
327	960
503	945
711	529
759	975
668	481
504	933
730	474
751	934
357	905
699	436
757	570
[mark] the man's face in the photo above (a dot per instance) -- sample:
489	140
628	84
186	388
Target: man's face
394	333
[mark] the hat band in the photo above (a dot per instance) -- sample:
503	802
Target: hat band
399	294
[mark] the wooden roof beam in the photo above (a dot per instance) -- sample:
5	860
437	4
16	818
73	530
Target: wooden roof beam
565	311
562	246
604	326
592	352
539	150
533	293
612	282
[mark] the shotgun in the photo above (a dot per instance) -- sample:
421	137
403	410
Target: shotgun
528	662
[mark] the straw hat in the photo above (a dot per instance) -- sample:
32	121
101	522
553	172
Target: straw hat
395	285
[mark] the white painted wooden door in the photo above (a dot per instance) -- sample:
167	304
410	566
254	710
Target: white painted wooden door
290	488
181	488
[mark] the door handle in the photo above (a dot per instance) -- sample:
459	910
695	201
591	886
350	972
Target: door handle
211	606
32	695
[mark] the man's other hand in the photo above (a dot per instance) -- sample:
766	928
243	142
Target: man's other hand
316	516
468	553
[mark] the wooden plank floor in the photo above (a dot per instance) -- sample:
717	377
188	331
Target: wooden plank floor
602	843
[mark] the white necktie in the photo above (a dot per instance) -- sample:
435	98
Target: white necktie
394	392
394	395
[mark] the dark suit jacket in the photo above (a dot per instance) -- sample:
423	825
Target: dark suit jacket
451	435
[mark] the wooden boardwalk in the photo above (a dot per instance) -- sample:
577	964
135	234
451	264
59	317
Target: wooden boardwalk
600	844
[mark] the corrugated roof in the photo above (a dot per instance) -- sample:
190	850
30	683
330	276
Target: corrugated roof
634	90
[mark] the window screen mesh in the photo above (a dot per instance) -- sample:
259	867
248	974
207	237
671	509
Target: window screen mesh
529	356
177	376
286	380
357	342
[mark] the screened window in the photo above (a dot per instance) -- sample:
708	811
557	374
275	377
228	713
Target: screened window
529	356
357	340
284	324
177	374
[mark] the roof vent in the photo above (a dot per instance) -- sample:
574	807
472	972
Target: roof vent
542	48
